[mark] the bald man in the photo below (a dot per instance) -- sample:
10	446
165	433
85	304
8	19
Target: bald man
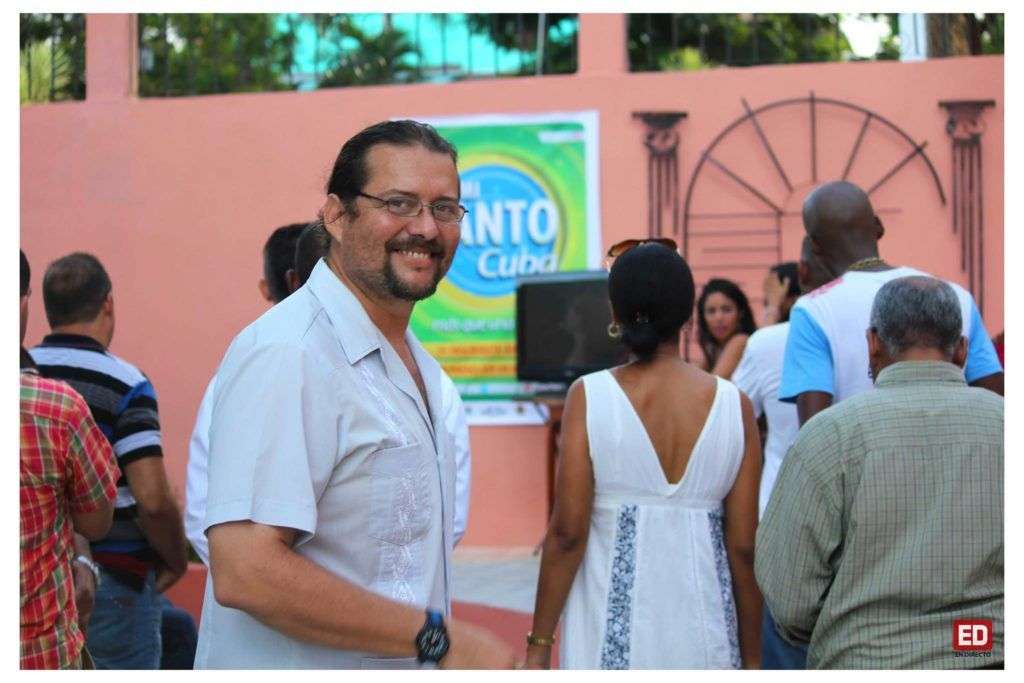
826	352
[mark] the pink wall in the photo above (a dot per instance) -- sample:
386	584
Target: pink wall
176	196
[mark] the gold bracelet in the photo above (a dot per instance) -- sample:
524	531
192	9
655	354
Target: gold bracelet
539	640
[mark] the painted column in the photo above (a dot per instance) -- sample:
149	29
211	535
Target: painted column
111	56
965	128
602	44
662	143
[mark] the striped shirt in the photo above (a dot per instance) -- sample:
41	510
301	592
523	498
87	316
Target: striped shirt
66	467
123	403
886	524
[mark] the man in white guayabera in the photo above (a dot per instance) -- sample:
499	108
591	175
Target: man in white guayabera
332	476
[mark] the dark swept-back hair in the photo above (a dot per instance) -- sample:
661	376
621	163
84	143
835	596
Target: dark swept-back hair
651	290
74	289
708	344
278	257
349	175
26	273
309	249
788	269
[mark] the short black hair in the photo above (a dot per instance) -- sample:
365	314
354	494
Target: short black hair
309	249
26	273
651	290
74	289
278	257
730	289
349	175
788	269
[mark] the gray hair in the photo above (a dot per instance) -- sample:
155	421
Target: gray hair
917	311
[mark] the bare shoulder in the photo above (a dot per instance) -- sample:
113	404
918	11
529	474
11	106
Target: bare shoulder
577	390
699	382
737	341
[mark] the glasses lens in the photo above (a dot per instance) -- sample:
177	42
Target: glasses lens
666	242
447	212
403	206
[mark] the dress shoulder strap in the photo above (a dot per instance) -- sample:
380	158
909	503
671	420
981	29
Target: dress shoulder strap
724	438
603	415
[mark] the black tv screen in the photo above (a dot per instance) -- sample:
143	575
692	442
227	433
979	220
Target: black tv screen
562	326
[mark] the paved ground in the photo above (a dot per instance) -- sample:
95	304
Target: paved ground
495	588
496	577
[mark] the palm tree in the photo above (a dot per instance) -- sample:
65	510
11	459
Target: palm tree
382	58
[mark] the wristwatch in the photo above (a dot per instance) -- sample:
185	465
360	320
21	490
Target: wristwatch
91	566
432	640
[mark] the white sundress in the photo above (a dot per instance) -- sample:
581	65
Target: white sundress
654	589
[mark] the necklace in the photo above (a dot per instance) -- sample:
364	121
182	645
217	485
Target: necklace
866	263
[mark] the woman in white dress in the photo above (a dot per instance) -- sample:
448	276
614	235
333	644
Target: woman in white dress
650	547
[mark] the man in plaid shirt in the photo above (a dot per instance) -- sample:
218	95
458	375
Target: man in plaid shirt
68	477
885	527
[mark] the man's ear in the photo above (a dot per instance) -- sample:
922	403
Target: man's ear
265	290
876	349
108	304
879	228
334	215
292	278
803	275
960	353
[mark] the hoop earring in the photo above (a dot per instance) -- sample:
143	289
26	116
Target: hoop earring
614	330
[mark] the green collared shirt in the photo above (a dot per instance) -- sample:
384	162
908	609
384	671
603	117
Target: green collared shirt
886	524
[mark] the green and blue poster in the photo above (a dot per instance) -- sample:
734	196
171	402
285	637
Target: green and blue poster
530	185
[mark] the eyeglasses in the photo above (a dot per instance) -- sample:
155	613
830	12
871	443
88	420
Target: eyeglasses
620	248
443	211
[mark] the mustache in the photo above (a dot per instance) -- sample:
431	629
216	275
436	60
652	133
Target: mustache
432	247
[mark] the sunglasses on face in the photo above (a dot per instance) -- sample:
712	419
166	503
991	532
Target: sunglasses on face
620	248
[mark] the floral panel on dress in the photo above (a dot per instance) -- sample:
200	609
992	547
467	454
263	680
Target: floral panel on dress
618	627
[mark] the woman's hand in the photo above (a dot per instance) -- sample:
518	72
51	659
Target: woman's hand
775	291
538	657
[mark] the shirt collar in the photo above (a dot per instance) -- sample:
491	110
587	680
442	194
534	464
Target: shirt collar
909	371
359	336
74	341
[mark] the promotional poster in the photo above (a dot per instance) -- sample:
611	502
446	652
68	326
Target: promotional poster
530	185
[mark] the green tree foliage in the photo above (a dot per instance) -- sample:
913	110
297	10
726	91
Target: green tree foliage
660	41
194	54
519	32
375	59
52	57
990	29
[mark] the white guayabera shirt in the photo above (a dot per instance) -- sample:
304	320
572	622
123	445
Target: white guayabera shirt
319	427
199	459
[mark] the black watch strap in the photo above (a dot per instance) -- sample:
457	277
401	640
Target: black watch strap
432	640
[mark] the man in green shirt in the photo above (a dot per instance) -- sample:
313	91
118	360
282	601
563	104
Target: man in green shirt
886	522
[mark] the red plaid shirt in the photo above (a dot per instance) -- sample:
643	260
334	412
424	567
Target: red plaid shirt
67	466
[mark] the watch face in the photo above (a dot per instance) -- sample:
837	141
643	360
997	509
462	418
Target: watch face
432	643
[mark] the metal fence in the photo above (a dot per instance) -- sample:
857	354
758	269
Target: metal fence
52	60
693	41
198	54
659	42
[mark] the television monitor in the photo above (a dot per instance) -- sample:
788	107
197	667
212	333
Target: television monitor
562	326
